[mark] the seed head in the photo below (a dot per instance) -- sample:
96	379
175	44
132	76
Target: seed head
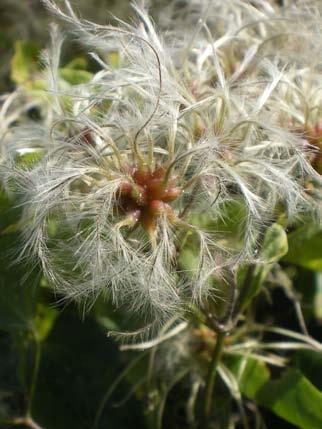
147	160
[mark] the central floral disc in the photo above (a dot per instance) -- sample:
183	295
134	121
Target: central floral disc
146	195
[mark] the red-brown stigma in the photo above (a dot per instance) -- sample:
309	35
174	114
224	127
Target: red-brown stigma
145	196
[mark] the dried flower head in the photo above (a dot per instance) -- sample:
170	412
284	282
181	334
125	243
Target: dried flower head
164	137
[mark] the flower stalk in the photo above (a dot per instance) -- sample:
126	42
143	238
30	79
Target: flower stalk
211	378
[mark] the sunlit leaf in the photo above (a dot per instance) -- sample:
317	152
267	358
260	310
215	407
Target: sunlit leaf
251	374
293	398
305	247
45	318
74	76
24	62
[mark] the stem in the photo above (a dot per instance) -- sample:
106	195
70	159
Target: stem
34	376
212	371
244	290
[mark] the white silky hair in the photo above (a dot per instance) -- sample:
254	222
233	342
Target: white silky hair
218	131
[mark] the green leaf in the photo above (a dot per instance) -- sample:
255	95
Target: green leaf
229	222
275	246
293	398
227	226
74	76
309	362
305	247
44	320
28	160
78	63
317	299
251	374
107	323
188	260
113	59
24	62
254	377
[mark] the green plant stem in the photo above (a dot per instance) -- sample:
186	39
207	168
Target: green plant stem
243	292
210	383
34	376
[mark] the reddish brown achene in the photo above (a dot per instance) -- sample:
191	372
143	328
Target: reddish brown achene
146	195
